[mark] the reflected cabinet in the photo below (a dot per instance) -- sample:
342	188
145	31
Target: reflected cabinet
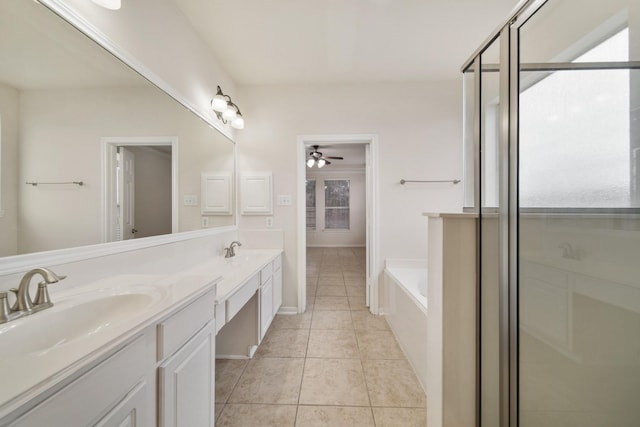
552	156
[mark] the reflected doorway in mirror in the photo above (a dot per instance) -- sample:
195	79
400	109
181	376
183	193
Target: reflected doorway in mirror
139	187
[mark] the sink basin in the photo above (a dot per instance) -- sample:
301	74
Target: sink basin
237	260
70	321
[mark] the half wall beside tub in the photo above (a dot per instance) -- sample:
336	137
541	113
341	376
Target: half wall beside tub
451	330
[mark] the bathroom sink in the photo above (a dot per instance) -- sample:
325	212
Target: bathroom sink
237	260
72	320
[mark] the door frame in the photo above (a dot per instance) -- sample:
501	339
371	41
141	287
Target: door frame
109	147
372	211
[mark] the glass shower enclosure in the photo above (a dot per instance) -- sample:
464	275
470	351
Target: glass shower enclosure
552	167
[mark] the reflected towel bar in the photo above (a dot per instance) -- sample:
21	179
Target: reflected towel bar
455	181
80	183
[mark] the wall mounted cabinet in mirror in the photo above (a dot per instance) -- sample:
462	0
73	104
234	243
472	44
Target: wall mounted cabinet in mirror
71	112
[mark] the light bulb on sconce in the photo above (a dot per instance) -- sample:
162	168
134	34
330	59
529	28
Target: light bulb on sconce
238	122
219	103
229	114
226	110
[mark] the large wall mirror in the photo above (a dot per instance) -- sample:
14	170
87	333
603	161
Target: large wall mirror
90	150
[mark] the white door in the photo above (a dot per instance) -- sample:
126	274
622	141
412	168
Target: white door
126	194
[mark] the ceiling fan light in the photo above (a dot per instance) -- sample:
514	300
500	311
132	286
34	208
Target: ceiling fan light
311	162
109	4
229	114
238	122
321	163
219	103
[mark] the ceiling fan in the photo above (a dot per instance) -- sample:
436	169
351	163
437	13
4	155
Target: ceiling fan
316	158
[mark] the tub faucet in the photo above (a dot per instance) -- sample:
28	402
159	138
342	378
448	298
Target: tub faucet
231	250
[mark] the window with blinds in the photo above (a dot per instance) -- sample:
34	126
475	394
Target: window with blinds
336	202
311	204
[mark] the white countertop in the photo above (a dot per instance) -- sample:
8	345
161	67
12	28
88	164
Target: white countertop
27	368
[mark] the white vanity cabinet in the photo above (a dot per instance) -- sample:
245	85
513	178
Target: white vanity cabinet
162	375
118	391
277	284
186	375
266	298
270	293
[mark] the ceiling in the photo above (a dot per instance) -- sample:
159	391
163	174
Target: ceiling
343	41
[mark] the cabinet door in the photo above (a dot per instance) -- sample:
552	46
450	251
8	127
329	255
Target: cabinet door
266	306
277	285
131	412
277	290
187	382
256	194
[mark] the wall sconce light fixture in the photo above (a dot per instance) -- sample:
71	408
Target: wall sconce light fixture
226	110
109	4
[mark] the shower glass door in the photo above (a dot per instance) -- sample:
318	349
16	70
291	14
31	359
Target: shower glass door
578	252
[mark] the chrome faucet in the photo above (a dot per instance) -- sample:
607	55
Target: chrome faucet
24	305
231	251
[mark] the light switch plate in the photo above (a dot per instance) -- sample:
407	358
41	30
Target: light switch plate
284	200
190	200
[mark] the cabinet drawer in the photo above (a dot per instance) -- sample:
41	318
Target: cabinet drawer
277	263
240	298
94	393
265	273
177	329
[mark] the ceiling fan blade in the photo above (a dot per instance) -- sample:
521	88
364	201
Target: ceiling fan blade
327	162
334	157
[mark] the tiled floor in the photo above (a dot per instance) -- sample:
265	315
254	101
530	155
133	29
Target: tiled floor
335	365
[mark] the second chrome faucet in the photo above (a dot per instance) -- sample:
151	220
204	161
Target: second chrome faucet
231	251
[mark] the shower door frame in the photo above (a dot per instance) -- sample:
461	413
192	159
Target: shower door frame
508	227
509	209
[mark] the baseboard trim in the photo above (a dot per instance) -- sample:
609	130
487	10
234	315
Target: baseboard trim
288	310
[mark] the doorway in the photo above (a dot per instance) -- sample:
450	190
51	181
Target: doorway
337	218
139	187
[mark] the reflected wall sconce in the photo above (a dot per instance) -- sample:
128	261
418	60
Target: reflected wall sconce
226	110
109	4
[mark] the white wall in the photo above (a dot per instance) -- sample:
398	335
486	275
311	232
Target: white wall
9	101
356	235
419	126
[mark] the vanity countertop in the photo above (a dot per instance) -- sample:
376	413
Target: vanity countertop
237	270
43	349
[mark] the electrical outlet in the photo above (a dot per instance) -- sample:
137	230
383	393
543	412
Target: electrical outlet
269	222
205	222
